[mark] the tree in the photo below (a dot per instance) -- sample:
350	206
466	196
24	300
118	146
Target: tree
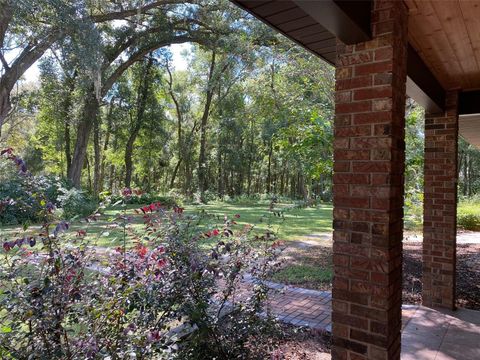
144	95
165	28
31	27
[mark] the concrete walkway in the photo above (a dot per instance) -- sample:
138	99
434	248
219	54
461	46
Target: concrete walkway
463	237
442	335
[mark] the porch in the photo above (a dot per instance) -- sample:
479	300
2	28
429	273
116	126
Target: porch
383	51
426	333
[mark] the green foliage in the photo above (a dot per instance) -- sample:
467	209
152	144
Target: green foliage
468	164
23	198
165	298
146	198
469	221
75	203
468	214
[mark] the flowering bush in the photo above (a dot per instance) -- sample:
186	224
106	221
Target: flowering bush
165	297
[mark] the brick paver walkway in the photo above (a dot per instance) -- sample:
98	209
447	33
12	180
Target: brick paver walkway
300	307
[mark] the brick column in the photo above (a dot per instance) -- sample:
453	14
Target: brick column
440	206
369	154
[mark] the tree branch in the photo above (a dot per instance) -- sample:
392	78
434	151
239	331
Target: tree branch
119	15
27	58
6	14
139	54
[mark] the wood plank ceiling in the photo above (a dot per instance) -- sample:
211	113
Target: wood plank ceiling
446	34
296	24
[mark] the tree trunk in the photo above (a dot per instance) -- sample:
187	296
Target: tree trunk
142	95
67	104
89	174
89	113
269	169
128	159
203	130
106	143
175	171
68	151
97	187
180	143
111	178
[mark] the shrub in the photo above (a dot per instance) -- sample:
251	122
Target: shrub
468	216
75	203
24	196
60	301
141	198
469	221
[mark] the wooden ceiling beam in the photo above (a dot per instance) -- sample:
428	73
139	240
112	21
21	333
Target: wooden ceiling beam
469	102
349	21
422	85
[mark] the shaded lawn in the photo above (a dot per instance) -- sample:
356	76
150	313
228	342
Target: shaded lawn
294	224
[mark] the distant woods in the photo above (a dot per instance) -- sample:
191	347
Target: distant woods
252	113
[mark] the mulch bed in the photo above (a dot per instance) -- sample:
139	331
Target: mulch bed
468	271
302	344
468	275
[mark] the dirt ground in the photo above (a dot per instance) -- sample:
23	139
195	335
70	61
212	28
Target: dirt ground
468	274
302	344
468	270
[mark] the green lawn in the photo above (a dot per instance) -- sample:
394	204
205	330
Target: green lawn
304	275
307	258
294	224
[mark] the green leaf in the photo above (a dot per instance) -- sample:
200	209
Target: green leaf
6	329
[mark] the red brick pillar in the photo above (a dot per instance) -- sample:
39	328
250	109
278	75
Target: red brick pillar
440	206
369	154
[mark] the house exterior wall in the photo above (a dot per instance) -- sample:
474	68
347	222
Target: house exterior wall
369	153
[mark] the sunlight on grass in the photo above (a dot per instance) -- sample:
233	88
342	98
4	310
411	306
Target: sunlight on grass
301	274
293	225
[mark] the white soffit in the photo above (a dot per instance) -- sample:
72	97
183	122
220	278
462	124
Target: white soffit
469	128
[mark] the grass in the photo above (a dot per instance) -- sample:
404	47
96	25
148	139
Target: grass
295	224
303	274
304	266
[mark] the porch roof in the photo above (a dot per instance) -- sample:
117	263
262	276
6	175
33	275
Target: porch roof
444	44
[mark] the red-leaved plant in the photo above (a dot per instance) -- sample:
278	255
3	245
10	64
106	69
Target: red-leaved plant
173	289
